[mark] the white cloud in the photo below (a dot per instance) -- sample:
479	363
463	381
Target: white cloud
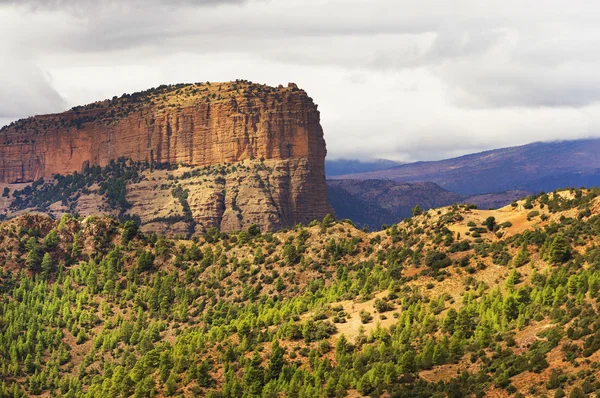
25	88
405	79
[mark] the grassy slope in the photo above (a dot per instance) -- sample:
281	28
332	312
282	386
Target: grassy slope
265	314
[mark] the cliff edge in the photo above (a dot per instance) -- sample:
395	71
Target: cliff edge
193	125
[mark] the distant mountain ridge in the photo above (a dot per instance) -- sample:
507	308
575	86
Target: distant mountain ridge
363	213
372	203
336	167
540	166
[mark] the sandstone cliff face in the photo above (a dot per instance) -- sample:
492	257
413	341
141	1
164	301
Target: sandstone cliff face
195	125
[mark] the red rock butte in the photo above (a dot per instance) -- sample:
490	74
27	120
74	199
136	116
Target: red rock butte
200	124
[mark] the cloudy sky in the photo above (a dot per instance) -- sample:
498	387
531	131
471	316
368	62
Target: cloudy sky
400	79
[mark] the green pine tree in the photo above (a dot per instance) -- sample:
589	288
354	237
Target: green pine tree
559	251
522	256
47	265
171	384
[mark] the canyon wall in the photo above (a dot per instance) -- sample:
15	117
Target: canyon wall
197	125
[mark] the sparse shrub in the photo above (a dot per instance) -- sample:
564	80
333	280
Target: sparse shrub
365	316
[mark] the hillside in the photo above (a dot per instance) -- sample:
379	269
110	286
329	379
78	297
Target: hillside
373	203
535	167
453	302
362	213
249	154
175	200
179	200
495	200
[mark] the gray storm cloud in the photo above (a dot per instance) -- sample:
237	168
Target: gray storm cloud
58	4
407	80
25	88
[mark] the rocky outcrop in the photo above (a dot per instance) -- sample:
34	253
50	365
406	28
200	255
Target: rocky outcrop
195	125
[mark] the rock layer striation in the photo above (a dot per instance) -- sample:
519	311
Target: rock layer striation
195	125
